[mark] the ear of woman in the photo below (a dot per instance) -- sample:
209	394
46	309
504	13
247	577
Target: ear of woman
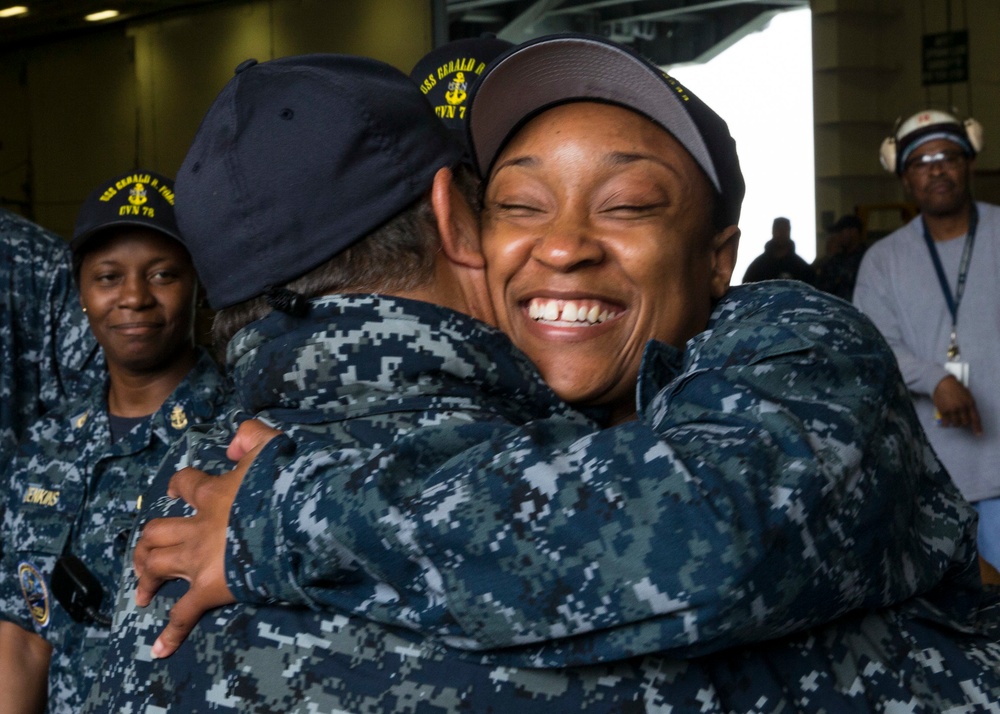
458	226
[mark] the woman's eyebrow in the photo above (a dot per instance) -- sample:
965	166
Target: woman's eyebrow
622	158
523	160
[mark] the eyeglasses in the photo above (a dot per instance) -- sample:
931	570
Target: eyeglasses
946	159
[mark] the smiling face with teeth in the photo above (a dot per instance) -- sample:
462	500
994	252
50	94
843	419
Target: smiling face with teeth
598	236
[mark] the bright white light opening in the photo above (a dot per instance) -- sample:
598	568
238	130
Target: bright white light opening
762	87
14	11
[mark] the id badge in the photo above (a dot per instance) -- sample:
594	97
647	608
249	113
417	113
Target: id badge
960	371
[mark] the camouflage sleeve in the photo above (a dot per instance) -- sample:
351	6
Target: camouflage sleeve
778	482
257	562
33	263
318	524
12	603
47	353
20	523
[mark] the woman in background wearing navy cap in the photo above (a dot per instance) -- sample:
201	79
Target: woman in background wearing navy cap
76	481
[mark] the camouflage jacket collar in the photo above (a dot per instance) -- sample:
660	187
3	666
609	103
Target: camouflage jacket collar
194	400
414	356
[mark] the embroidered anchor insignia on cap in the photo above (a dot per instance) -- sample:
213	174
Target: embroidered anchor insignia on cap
137	195
457	87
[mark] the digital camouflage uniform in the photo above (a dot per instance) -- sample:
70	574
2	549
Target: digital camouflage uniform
71	490
47	352
743	504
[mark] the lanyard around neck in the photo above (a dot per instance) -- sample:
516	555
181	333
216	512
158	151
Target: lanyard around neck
963	268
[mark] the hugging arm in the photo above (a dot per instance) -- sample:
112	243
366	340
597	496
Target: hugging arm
776	481
779	480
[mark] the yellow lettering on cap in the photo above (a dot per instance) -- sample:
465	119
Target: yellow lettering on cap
465	64
428	84
167	194
134	178
677	87
109	194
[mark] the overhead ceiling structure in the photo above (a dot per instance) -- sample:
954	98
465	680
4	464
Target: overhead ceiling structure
51	19
668	32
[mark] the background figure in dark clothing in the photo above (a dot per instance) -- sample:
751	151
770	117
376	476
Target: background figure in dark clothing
779	259
837	272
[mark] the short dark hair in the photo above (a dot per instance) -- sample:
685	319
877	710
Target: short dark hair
396	257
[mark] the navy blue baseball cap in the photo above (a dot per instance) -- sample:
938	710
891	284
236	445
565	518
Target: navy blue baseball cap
296	160
139	198
446	74
558	69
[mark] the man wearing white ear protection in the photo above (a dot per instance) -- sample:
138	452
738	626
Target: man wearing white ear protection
931	287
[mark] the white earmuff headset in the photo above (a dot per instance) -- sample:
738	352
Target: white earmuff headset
887	153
